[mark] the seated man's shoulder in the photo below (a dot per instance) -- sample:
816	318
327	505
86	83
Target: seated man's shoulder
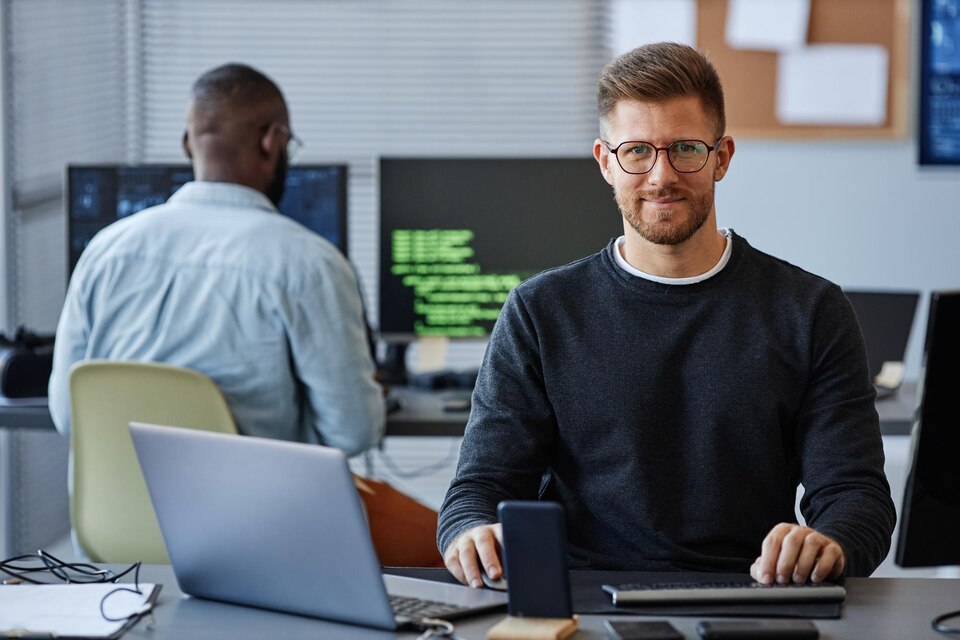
785	275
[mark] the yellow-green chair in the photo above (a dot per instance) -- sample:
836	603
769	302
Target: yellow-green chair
110	508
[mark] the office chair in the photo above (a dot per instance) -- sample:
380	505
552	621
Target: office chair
110	508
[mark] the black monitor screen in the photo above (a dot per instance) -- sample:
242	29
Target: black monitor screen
940	83
457	235
930	518
886	318
315	196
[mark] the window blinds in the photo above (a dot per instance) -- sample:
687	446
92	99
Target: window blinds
66	102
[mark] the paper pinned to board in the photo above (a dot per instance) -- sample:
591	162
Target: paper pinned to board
767	25
637	22
833	84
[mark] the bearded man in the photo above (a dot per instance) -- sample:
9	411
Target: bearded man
673	390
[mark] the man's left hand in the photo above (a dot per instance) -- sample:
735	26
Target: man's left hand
793	553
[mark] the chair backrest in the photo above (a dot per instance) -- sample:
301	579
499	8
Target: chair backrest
109	506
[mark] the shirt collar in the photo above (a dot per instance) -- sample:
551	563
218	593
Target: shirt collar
222	194
626	266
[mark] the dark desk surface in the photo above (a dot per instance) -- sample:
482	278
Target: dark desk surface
421	413
876	608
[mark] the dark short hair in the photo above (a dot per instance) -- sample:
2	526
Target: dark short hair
658	72
235	84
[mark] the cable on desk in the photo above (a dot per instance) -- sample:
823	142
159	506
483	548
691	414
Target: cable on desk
435	628
939	626
425	470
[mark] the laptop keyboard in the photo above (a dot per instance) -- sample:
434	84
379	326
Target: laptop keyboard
416	608
706	592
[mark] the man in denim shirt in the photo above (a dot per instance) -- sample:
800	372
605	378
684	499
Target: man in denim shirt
217	281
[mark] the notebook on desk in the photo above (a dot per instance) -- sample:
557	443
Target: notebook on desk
279	525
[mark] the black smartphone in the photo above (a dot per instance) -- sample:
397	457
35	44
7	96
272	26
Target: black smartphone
642	630
535	559
748	629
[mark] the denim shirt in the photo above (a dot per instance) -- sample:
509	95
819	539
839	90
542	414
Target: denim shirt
217	281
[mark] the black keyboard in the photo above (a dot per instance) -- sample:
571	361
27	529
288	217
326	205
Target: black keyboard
716	592
406	608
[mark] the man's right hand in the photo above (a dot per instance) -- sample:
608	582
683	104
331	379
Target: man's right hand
474	551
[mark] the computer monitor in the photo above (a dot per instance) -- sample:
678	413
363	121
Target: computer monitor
315	196
939	89
456	235
930	516
886	318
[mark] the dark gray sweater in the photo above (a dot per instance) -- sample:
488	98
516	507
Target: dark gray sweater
674	422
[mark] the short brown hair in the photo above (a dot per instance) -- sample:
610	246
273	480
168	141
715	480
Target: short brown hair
658	72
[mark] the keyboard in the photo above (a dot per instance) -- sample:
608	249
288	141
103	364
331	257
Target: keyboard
717	592
407	609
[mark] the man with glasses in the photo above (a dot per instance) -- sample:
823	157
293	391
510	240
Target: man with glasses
673	390
217	281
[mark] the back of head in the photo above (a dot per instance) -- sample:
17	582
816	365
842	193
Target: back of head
231	86
659	72
230	108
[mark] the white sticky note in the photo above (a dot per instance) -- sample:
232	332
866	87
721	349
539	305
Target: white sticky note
638	22
767	25
833	84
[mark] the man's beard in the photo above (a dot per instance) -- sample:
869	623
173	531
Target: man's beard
666	234
275	189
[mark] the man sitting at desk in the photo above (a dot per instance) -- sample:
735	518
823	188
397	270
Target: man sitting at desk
217	281
672	390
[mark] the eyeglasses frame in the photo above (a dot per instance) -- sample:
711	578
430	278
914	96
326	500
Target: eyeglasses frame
294	143
616	155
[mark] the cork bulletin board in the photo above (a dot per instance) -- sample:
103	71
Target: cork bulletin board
749	77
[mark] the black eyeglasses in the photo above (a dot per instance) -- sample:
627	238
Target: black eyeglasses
685	156
294	144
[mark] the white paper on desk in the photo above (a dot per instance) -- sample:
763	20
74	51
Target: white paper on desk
767	25
68	610
432	353
841	84
891	374
637	22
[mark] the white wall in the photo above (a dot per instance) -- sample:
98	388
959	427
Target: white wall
862	214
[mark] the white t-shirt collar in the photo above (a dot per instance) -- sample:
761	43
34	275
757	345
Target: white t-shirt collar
626	266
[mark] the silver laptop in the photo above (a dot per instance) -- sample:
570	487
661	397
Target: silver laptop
279	525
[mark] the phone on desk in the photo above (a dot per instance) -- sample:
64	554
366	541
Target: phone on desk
535	559
641	630
747	629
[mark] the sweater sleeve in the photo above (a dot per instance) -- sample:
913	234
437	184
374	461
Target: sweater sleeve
511	427
846	494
